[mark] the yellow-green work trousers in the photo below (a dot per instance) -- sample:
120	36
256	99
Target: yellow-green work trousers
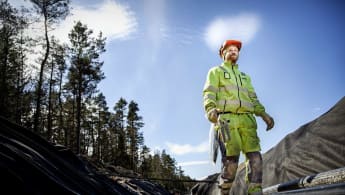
243	138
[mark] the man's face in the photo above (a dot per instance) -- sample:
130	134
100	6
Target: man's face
231	53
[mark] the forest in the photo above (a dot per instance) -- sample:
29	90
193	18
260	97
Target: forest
51	88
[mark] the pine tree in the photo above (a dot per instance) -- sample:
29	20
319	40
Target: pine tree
61	69
145	168
11	68
77	114
57	62
134	137
52	12
120	156
99	131
22	97
156	165
85	70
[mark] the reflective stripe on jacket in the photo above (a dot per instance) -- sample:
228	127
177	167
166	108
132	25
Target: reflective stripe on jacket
229	90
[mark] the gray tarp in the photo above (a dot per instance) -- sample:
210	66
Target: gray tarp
31	165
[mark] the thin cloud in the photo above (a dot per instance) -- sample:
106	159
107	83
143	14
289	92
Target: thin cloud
193	163
178	149
115	20
185	35
242	27
155	28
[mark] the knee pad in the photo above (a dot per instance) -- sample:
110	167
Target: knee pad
230	164
255	167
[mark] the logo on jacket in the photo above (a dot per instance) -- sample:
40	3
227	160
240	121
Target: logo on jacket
226	75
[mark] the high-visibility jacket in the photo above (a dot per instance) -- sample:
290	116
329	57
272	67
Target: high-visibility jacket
229	90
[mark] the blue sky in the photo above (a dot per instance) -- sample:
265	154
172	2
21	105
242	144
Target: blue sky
159	52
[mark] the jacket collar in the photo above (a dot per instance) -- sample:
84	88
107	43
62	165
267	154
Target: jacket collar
229	65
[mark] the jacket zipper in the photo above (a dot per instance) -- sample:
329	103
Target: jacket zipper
238	89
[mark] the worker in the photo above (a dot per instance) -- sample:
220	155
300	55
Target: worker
229	96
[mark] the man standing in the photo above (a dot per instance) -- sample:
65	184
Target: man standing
229	96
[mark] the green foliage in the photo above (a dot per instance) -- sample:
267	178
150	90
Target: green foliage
51	11
13	50
66	100
163	168
85	70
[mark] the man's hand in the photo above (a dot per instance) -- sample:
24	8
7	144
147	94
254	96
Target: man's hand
268	120
213	115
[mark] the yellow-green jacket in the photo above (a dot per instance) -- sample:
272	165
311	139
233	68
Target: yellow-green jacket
229	90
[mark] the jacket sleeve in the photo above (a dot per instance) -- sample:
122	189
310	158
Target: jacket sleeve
259	109
210	90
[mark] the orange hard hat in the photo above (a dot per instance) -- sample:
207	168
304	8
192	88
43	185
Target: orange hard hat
226	43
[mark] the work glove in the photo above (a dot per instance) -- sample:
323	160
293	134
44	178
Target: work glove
212	115
268	120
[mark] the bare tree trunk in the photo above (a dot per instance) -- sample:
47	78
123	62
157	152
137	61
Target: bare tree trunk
79	111
3	73
50	120
37	115
19	83
61	122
